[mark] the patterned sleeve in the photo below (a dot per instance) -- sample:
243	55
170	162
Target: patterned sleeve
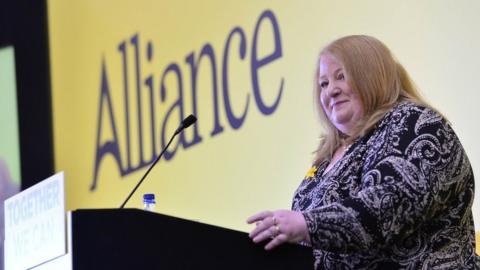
410	172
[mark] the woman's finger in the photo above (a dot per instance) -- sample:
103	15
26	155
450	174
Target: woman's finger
276	241
264	224
264	235
259	216
261	226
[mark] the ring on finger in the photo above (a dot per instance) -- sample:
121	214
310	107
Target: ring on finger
274	232
272	235
277	229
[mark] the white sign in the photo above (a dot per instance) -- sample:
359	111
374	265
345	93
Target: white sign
35	228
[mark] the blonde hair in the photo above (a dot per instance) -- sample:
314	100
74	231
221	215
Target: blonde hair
373	73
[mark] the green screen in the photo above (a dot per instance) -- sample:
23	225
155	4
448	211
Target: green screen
9	139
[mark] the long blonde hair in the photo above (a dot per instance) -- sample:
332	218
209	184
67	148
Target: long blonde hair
373	73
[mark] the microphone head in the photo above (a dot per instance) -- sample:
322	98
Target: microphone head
189	121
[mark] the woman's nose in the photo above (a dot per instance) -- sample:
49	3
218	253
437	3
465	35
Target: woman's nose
333	90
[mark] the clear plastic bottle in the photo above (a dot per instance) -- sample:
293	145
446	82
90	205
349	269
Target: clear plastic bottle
149	202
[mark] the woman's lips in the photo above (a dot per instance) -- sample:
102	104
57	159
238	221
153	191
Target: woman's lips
337	103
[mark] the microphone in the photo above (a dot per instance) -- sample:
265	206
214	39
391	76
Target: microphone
190	120
186	123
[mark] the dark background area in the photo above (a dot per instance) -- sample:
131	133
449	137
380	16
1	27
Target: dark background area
23	25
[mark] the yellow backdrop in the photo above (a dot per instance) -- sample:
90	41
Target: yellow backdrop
125	72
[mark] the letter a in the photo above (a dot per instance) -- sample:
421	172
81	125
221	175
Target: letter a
111	146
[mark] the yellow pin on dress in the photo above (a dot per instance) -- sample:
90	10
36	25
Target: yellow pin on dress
311	172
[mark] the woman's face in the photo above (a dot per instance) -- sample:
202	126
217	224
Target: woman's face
341	105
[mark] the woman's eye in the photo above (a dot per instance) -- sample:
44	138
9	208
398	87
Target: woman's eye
323	84
341	76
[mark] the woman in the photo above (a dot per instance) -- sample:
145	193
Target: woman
391	185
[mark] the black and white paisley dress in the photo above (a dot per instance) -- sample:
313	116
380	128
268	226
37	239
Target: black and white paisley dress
400	198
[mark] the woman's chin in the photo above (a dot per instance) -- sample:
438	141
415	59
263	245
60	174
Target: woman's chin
343	124
340	119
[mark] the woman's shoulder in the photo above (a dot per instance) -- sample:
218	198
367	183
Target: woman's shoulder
408	113
405	108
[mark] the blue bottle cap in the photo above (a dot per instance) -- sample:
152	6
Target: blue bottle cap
149	197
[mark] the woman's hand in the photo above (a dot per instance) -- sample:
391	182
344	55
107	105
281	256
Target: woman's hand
280	226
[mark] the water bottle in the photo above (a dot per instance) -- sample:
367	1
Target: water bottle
149	202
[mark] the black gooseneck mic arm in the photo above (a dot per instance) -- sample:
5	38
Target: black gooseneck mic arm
185	124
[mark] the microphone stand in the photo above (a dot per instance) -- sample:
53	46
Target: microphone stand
149	169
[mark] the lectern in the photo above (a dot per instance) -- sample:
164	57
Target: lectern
137	239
